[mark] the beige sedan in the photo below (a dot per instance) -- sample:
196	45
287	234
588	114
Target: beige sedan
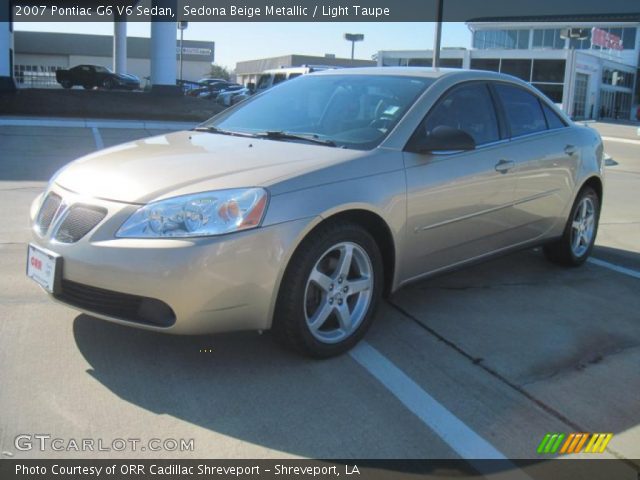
297	209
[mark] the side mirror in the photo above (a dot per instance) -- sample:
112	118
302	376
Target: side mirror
251	86
444	138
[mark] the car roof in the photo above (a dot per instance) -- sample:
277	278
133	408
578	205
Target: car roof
426	72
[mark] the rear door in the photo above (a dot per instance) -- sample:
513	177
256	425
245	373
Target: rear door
458	203
546	160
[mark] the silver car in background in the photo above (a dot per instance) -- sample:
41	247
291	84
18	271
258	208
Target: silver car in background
298	209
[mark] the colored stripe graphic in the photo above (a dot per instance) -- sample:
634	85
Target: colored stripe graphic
594	437
567	443
552	442
582	441
575	442
543	443
556	445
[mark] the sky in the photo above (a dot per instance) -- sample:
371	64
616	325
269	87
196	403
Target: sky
237	41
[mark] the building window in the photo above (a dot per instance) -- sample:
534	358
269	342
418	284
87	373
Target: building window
35	76
509	39
419	62
548	71
548	38
552	91
517	68
491	64
629	38
617	78
451	62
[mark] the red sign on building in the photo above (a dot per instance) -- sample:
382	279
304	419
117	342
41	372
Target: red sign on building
604	39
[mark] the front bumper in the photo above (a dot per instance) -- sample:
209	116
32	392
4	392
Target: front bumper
211	284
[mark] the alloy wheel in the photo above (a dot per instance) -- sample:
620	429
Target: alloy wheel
338	292
583	226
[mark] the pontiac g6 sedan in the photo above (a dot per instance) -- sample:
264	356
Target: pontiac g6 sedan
297	209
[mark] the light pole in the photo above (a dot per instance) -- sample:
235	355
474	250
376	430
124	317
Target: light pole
353	38
182	26
438	34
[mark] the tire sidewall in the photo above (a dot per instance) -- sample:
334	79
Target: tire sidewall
310	253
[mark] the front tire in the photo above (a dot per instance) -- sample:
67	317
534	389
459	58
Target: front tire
330	291
580	232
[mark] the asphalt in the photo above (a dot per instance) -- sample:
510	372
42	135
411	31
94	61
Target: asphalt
487	359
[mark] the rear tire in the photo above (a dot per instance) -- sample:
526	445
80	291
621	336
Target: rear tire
330	291
580	232
66	84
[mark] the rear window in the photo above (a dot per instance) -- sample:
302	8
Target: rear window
523	110
553	120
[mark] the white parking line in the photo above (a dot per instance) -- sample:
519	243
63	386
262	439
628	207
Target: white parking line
453	431
97	138
621	140
464	441
614	267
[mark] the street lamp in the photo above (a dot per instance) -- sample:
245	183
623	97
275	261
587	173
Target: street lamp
182	26
437	35
353	38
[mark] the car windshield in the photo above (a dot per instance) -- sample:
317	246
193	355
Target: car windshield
102	69
352	111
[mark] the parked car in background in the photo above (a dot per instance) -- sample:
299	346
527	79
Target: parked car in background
270	78
91	76
210	90
187	86
297	209
233	95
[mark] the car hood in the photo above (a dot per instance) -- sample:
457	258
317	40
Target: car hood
127	76
188	162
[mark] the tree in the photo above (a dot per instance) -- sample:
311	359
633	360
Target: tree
218	71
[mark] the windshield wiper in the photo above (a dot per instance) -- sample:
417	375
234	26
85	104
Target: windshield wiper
307	137
223	132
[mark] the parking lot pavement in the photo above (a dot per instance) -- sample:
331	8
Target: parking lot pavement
480	362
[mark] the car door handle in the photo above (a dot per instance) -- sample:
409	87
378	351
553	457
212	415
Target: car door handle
570	149
503	166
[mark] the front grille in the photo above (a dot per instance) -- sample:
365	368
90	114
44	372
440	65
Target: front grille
144	310
47	212
78	222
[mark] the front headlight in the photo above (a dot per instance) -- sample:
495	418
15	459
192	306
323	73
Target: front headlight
198	215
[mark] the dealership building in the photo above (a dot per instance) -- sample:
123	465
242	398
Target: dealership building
38	55
589	68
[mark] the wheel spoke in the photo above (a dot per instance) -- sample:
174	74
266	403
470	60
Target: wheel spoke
344	263
590	220
576	241
344	317
320	279
583	209
359	285
576	225
320	316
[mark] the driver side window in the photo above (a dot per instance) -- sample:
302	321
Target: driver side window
468	108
